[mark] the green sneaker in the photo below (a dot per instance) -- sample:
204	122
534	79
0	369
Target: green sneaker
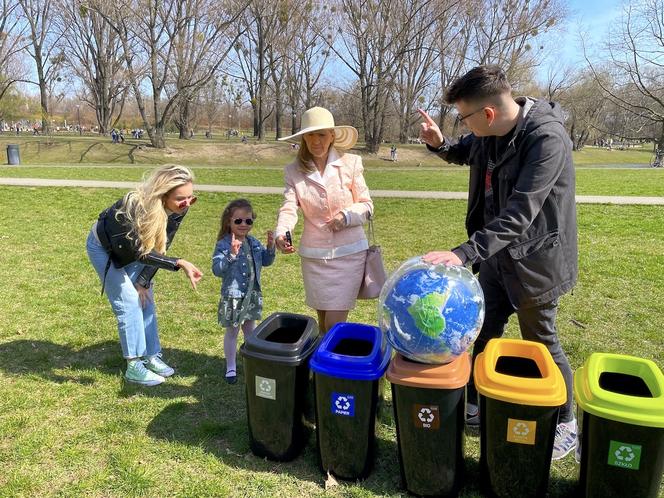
156	364
137	373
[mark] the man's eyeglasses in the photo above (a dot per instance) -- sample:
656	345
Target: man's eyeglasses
463	118
238	221
189	201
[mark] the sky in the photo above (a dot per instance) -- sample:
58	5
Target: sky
592	17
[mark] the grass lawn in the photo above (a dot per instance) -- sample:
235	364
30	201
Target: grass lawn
70	427
220	152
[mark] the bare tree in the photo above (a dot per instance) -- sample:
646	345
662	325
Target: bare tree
307	56
11	44
634	54
414	72
374	36
508	33
43	49
201	44
259	25
94	55
164	47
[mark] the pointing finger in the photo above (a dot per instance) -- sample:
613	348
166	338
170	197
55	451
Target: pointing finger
426	117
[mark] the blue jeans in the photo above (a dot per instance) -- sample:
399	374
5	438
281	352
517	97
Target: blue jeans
137	326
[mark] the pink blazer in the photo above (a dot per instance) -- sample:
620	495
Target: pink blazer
342	188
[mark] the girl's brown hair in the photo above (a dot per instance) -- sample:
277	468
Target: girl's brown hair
227	214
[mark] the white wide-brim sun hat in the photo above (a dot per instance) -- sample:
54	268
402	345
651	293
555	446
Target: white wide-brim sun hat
319	118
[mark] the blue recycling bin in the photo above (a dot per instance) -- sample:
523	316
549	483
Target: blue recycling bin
348	367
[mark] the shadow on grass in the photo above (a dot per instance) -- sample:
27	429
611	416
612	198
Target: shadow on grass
216	419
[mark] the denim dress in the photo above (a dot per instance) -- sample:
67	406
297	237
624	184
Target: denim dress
239	307
241	297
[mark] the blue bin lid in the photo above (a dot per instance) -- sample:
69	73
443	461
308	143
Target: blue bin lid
352	351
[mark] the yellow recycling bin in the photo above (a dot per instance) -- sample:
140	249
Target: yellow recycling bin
521	391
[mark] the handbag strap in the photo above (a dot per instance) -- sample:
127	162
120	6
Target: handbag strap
370	230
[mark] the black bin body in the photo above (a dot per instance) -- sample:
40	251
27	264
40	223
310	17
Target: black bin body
277	384
429	410
13	156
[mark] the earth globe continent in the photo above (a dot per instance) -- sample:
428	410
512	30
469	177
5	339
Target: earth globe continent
431	313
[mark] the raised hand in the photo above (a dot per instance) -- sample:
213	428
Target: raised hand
235	245
270	239
429	131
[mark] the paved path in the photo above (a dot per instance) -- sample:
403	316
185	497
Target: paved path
246	189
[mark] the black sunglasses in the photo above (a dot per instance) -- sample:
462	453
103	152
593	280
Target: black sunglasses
248	221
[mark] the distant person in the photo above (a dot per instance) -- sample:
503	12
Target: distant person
238	259
393	153
327	185
521	218
126	247
244	139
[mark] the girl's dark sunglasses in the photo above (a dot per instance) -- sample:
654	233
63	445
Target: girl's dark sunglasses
248	221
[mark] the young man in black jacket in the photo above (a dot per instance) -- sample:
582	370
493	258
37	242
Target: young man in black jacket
521	218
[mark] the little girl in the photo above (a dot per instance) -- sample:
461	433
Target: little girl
238	258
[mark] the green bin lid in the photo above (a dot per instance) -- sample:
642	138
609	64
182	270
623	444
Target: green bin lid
614	387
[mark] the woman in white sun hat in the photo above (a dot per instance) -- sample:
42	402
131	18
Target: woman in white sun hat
327	185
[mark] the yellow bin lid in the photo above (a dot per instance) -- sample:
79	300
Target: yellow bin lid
521	372
452	375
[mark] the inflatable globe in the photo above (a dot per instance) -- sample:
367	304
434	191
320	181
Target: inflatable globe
431	313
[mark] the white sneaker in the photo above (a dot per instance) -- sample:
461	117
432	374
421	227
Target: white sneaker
157	365
565	440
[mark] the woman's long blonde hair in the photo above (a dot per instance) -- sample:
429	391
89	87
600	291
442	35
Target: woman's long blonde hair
144	207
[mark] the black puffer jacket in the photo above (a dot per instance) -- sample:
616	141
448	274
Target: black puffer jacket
533	237
113	234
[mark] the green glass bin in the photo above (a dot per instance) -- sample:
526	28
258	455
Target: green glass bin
621	426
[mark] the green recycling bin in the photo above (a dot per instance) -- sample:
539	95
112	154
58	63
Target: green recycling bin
620	402
521	391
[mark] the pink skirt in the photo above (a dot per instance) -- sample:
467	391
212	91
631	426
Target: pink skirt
333	284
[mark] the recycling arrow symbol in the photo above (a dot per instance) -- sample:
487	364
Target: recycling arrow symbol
426	415
625	454
520	429
265	386
342	403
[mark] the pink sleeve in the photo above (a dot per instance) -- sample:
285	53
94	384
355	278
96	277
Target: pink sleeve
362	206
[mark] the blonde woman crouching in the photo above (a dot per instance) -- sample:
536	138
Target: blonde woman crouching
126	247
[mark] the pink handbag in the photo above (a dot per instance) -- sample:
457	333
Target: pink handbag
374	269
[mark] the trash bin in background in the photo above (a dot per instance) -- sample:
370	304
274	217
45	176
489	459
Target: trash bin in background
276	372
348	365
429	408
620	402
521	391
13	155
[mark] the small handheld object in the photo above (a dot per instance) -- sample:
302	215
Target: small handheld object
289	239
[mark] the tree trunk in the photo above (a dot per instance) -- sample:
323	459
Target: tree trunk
158	137
277	112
